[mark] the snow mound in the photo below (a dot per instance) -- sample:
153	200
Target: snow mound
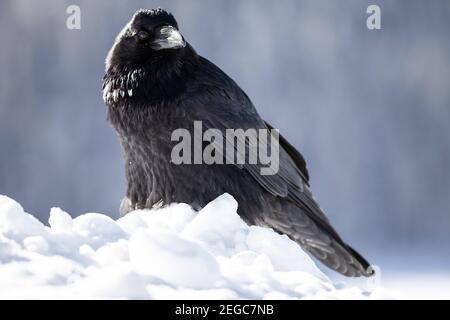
168	253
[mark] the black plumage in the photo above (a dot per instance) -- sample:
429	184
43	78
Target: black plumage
155	83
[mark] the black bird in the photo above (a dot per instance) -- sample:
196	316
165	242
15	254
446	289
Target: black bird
155	83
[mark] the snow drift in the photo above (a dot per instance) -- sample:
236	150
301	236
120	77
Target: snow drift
169	253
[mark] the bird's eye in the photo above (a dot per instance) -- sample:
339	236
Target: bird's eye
143	35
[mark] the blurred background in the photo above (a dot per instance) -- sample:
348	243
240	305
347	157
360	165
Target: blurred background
369	109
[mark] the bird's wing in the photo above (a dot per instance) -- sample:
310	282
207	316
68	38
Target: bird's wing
296	156
219	103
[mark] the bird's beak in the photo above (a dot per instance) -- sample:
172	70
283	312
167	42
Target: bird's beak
167	37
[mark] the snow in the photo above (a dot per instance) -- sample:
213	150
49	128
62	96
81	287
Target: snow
167	253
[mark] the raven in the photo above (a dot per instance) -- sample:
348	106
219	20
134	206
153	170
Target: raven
155	83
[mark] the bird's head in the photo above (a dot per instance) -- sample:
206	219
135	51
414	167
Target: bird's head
149	35
149	59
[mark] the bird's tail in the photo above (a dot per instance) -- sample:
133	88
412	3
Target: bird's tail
314	234
343	259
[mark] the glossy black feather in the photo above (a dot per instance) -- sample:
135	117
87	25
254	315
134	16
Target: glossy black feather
151	93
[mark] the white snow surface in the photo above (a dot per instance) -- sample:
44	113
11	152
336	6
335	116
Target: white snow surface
168	253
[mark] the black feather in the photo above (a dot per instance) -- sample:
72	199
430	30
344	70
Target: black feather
151	93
